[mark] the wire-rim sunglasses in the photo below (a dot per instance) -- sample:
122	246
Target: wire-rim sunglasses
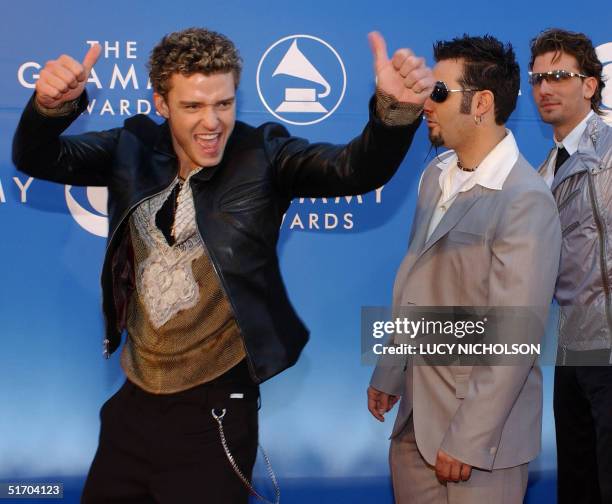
553	77
440	91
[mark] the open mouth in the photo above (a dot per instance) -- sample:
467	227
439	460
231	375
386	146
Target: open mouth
208	142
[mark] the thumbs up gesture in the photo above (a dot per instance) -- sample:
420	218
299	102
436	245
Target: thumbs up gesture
406	77
63	80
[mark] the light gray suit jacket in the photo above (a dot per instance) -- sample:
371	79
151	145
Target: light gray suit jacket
491	248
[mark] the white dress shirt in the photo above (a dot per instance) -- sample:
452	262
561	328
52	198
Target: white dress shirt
491	173
570	142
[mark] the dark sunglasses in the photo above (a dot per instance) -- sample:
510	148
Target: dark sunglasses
536	78
440	91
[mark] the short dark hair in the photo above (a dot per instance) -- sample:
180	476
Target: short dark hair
577	45
488	64
191	51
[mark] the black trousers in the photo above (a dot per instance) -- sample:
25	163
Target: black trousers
166	449
583	421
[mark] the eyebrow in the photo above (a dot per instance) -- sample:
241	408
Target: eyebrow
196	102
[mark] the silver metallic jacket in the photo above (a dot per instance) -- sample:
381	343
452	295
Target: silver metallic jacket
583	190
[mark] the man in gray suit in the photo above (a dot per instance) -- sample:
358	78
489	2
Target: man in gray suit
486	234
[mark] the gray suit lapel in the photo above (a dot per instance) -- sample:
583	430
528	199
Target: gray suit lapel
428	199
451	218
542	168
423	215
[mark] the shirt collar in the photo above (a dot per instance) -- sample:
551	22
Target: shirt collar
492	170
571	141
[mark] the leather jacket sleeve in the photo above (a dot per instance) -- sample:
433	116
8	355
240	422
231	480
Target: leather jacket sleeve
300	168
367	162
40	151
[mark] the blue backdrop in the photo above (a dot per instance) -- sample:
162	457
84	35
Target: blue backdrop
337	254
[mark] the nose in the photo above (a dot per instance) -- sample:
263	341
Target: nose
428	106
210	118
544	87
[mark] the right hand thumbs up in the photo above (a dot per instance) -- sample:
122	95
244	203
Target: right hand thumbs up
405	76
63	80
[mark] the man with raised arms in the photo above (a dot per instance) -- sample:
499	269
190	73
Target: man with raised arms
191	272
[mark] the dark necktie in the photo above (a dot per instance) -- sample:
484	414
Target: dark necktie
562	156
164	219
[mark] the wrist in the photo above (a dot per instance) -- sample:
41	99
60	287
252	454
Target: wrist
395	113
65	109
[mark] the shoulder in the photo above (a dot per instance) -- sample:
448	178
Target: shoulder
524	178
600	134
247	137
143	132
525	200
247	134
271	131
526	207
276	139
272	127
145	129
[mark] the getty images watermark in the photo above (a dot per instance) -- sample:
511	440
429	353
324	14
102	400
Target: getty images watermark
456	335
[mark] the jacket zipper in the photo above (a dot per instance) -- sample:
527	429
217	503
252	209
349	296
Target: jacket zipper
602	250
106	341
569	199
570	228
225	290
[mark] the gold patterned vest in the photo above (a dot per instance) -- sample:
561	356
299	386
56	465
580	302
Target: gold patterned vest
181	330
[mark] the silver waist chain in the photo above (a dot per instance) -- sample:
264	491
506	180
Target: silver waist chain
243	478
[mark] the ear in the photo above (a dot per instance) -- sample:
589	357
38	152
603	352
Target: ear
161	105
483	102
589	86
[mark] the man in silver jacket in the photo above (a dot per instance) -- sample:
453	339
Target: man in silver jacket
566	77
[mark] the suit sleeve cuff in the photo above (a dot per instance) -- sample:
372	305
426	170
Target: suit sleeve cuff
476	456
389	378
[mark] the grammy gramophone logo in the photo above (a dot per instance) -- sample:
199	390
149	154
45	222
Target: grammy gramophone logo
301	79
87	205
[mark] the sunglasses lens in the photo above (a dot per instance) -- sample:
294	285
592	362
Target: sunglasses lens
561	75
536	79
439	93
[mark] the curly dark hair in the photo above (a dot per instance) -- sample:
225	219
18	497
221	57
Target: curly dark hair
487	64
190	51
577	45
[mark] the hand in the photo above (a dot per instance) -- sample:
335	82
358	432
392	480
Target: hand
63	80
405	76
451	469
379	403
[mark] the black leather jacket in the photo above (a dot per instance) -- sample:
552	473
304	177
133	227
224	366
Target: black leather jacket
239	206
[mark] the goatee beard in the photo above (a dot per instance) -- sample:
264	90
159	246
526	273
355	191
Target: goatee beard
436	140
